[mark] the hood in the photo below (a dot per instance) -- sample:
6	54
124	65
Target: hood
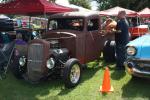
145	48
139	41
59	34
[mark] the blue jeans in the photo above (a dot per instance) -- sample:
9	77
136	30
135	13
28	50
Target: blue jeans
121	55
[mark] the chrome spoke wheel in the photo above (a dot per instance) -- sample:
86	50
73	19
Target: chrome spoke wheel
75	74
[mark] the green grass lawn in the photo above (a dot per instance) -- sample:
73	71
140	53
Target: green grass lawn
124	87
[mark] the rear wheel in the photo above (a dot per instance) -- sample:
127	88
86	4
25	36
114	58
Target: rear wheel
109	51
72	73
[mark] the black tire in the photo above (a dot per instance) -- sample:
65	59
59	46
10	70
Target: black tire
109	51
67	71
16	69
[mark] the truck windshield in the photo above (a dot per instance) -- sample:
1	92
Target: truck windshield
66	24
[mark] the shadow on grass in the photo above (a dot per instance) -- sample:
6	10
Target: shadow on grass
88	73
51	89
138	88
22	90
118	74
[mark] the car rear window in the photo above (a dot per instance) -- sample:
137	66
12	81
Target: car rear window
66	24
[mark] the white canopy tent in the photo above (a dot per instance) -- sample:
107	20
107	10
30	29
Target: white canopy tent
77	7
67	4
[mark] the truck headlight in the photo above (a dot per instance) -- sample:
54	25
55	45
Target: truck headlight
131	51
22	61
50	63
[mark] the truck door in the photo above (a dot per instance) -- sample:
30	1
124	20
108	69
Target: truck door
93	40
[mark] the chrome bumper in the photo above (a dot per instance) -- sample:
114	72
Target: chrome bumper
131	69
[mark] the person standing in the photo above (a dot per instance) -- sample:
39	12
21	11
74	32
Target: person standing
121	39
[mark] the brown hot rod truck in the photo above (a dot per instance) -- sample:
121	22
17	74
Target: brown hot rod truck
70	41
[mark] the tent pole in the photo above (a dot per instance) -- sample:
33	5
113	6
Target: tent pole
138	22
29	22
30	28
45	18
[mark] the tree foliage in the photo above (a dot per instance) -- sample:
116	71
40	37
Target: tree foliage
129	4
82	3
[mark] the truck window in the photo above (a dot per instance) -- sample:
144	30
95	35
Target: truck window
93	25
66	24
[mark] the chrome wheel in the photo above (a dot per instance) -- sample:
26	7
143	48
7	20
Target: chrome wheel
72	73
75	73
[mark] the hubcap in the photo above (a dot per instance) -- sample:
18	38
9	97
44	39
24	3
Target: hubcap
75	73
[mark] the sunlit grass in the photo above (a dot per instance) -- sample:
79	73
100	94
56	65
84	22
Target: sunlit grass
88	89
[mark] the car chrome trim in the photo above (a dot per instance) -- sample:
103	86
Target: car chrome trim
34	61
134	71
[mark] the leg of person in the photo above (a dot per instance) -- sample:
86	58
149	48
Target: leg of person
120	52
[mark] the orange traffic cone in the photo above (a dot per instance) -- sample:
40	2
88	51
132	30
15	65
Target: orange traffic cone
106	86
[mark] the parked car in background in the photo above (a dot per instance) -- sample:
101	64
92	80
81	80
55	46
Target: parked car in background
6	25
6	43
138	57
147	22
138	31
11	34
137	27
71	40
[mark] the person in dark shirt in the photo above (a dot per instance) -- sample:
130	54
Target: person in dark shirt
121	39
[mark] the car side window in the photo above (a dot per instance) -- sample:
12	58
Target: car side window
53	25
66	24
92	25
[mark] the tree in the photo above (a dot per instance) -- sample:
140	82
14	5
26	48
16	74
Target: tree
82	3
129	4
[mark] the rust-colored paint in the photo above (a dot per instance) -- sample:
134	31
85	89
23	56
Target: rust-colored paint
46	45
86	45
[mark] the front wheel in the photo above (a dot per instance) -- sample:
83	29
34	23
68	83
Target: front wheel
72	73
18	66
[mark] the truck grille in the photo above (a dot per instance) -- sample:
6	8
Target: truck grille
35	61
